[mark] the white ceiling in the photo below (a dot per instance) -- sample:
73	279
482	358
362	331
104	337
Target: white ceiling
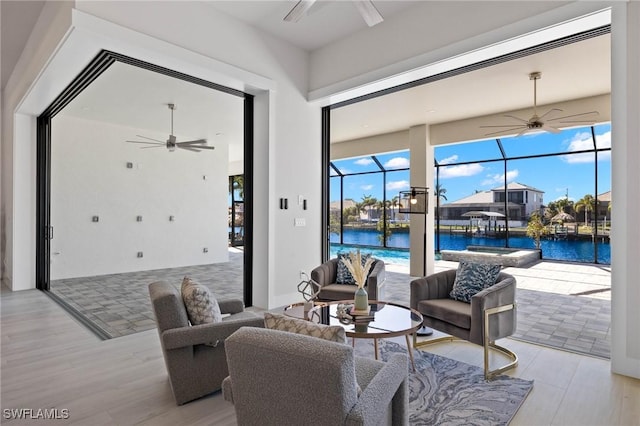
132	97
570	72
325	23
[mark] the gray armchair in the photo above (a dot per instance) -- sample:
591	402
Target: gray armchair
282	378
491	315
324	277
194	355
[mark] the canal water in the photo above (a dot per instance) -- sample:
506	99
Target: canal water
575	251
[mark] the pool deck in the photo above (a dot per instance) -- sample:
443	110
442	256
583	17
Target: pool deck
562	305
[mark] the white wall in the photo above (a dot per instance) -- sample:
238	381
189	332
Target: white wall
89	177
17	209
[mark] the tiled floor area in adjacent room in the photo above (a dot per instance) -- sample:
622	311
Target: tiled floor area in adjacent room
119	305
560	305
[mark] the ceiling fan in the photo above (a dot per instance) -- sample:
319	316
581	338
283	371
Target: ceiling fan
537	122
171	143
366	8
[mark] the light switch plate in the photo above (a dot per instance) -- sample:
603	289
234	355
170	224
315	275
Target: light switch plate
300	221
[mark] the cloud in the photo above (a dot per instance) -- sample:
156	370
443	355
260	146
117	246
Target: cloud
583	141
493	179
363	161
460	171
397	163
366	187
449	160
398	185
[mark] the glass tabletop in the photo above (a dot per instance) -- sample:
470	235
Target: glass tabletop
389	319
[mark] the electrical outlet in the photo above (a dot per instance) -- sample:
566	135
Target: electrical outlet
303	274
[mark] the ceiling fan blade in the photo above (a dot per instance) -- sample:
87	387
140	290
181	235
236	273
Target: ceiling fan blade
194	142
147	143
549	112
156	146
199	147
188	148
511	126
575	115
525	130
299	10
368	12
517	118
151	139
550	128
506	131
576	121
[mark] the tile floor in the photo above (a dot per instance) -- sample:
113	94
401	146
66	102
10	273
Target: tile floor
561	305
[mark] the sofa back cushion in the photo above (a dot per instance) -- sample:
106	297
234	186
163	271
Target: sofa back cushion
167	305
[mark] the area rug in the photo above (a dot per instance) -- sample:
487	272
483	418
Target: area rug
444	391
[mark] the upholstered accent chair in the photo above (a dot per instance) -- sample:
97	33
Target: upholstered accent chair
282	378
324	279
491	315
194	355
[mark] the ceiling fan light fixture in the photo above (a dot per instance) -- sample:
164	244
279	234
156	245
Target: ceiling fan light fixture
536	122
172	143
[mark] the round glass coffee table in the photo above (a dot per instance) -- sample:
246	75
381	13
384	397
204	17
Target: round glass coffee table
389	320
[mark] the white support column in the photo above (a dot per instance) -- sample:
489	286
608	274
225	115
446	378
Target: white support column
625	156
421	175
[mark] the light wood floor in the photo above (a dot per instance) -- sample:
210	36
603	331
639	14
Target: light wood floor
48	360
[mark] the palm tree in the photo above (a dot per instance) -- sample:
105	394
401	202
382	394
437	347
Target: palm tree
395	202
563	205
440	191
586	203
551	210
367	202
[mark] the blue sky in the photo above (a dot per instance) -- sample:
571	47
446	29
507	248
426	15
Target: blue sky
556	176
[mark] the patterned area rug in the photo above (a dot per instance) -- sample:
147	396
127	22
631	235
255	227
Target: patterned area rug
444	391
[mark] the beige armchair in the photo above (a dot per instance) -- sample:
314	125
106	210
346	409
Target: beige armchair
491	315
324	279
281	378
194	355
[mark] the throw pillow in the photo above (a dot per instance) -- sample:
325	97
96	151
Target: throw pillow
333	333
202	306
343	275
472	278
